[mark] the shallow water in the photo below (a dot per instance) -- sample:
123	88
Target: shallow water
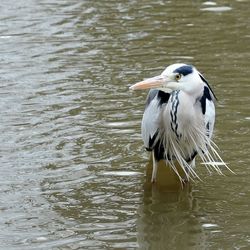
72	161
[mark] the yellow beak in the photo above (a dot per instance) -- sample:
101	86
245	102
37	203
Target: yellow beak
150	83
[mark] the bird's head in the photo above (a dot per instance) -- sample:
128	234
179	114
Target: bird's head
175	77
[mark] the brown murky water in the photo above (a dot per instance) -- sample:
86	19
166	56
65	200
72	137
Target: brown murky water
72	161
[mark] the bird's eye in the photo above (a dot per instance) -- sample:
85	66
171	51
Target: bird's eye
177	77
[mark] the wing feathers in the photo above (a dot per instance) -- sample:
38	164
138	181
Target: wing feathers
152	116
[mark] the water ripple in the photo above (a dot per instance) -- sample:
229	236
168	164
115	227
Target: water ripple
72	158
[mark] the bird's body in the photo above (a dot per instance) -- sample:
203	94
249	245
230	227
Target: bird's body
178	120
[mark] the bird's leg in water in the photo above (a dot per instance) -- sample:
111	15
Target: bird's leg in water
155	168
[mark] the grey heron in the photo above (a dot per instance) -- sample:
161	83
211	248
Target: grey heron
178	120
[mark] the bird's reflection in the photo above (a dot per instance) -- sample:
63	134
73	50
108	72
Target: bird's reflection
166	179
167	217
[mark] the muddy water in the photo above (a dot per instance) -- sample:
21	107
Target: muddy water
72	162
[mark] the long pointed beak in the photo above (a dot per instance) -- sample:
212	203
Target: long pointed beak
150	83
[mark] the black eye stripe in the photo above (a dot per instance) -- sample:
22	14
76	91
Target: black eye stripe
184	70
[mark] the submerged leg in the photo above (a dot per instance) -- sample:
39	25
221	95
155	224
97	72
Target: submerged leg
192	165
155	168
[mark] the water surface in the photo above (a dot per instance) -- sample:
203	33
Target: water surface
72	161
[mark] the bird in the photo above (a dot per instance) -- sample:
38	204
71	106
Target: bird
178	120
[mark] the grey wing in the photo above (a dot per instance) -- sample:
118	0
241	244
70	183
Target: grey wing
150	121
208	110
210	117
